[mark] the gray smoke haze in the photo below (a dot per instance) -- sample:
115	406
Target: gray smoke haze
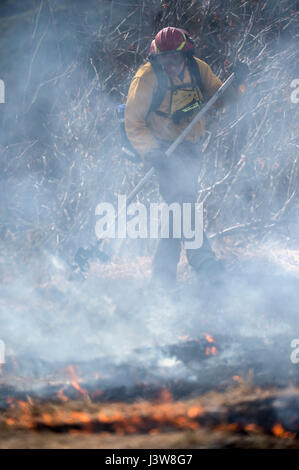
66	65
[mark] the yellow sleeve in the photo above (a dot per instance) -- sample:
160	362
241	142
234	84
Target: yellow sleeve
138	103
210	81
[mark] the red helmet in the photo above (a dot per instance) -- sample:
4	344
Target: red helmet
171	40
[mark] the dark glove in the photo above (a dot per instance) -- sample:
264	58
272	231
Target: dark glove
241	71
156	158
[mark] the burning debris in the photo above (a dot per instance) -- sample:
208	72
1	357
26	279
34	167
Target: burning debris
242	410
210	391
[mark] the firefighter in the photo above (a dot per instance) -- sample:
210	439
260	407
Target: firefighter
151	127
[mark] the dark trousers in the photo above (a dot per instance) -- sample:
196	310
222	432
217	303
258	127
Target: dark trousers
178	183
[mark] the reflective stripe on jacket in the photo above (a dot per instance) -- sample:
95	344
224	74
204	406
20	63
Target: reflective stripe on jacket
145	130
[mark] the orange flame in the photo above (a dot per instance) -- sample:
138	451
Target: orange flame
236	378
279	431
211	351
61	395
195	411
75	380
209	338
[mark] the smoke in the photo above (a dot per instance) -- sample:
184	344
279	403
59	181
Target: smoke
47	317
65	67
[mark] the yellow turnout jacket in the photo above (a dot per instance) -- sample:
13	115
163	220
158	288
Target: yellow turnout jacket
144	129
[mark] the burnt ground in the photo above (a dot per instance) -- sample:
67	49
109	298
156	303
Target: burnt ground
215	398
185	369
202	439
206	371
244	416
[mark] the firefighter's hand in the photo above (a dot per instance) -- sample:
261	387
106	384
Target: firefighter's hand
241	71
156	158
